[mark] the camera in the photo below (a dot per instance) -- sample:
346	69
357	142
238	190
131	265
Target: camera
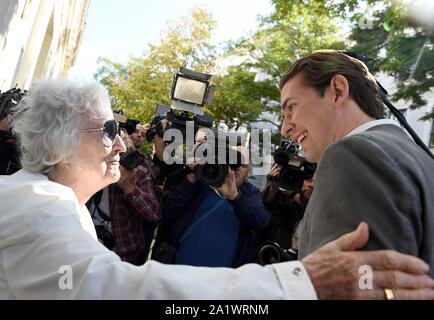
9	99
175	121
294	168
190	92
128	124
213	167
105	237
129	161
271	252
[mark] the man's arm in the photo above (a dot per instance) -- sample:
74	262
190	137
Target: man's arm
273	187
250	209
178	201
358	181
334	270
143	197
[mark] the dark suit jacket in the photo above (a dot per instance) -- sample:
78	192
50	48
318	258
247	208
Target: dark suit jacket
381	177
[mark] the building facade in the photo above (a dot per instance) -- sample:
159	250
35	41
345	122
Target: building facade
424	129
38	39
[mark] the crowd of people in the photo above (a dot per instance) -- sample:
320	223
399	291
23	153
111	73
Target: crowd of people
76	190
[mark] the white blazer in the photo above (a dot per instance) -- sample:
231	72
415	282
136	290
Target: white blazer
49	250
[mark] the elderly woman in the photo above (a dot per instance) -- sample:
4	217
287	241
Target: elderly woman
48	246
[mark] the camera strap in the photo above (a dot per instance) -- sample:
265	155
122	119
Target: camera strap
206	214
96	199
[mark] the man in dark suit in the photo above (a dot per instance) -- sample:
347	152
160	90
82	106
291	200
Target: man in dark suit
368	168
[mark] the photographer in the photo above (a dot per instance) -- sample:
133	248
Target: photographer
287	210
167	176
215	225
138	136
125	213
9	153
46	225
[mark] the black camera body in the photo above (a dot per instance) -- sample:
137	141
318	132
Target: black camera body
214	174
271	252
8	100
105	237
294	168
175	121
156	128
128	124
129	161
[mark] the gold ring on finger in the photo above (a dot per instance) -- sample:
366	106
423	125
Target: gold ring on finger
389	294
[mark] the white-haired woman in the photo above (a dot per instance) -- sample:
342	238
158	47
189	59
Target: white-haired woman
48	247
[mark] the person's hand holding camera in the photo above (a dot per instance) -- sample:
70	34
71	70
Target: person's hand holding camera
274	186
229	187
160	145
127	181
191	163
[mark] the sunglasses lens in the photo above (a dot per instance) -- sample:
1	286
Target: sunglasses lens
110	132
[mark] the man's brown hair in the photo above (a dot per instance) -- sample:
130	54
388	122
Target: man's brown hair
319	68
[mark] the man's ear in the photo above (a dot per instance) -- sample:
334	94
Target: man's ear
339	90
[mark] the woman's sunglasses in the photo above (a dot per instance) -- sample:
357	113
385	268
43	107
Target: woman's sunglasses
110	130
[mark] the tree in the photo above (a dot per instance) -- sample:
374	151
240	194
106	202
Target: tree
402	49
142	82
294	29
298	27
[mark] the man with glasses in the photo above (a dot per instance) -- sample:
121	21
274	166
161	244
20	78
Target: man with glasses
48	245
237	210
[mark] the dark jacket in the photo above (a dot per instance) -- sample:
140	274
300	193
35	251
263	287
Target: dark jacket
379	176
9	154
185	199
286	214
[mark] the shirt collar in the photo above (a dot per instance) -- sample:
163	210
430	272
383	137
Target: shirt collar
373	123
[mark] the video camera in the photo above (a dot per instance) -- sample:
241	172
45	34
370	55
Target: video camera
190	92
213	167
9	99
128	124
271	252
294	168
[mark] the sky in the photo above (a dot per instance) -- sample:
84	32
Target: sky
118	29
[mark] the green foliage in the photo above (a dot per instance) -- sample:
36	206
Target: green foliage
396	43
239	99
142	82
293	30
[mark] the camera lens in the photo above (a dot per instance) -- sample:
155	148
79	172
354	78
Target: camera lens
291	178
268	254
211	174
281	157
